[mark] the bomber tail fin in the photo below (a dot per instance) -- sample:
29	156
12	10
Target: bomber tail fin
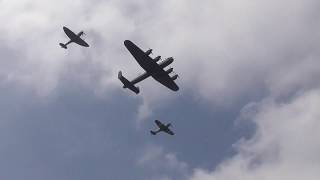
127	84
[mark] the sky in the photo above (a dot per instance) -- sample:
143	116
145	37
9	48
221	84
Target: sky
247	107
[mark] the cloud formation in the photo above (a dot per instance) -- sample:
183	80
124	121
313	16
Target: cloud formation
163	165
227	53
277	55
224	50
284	146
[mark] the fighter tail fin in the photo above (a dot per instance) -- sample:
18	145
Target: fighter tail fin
63	45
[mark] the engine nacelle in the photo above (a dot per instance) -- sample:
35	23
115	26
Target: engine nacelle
169	70
166	62
175	77
157	58
148	52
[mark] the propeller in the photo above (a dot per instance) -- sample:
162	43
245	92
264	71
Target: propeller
177	75
83	35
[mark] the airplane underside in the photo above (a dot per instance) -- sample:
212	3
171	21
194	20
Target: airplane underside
151	67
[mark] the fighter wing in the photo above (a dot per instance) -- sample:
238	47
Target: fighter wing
159	124
74	38
81	42
69	33
169	131
163	78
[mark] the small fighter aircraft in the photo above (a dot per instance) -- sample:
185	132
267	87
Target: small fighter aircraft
151	67
76	38
162	127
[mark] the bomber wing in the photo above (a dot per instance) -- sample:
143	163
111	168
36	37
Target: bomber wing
151	66
165	80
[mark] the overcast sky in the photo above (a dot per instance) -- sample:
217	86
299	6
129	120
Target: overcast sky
247	108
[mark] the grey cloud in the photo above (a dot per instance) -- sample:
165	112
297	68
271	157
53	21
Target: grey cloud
284	145
162	164
223	50
227	54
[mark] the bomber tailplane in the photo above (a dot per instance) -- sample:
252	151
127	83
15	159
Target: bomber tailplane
127	84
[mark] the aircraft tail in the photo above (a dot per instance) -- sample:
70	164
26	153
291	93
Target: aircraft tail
63	45
127	84
153	133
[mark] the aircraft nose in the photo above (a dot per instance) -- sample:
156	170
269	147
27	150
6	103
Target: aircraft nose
127	42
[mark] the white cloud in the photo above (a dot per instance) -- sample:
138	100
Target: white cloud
33	29
163	165
224	50
284	146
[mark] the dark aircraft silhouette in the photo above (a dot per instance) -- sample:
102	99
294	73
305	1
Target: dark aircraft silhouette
151	67
162	127
76	38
